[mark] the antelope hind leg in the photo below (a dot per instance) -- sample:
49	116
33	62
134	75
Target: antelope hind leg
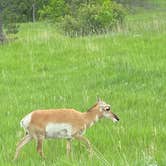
39	146
23	141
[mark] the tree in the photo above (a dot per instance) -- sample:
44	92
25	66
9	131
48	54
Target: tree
16	11
34	11
8	15
2	36
35	6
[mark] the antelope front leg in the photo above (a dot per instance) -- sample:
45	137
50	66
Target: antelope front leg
87	142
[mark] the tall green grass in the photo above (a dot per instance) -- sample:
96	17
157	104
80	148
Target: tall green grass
43	69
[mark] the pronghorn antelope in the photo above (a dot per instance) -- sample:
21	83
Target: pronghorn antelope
62	123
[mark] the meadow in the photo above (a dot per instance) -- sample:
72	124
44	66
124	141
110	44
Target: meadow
126	68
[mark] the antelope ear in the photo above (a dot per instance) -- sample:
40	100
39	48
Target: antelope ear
98	99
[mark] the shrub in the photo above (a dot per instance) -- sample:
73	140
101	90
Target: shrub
70	26
96	16
88	18
12	28
55	10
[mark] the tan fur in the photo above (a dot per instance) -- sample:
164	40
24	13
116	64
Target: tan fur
41	118
78	120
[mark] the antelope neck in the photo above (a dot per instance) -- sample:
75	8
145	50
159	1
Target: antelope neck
92	116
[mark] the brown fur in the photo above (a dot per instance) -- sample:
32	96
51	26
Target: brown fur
79	121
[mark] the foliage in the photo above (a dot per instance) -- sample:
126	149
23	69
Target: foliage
13	12
54	10
83	17
70	25
12	28
100	18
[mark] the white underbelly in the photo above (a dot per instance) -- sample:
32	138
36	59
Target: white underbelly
58	130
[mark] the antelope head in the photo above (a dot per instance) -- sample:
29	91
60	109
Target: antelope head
106	111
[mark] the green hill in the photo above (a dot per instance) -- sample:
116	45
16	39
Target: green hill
43	69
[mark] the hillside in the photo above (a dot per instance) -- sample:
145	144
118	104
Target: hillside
43	69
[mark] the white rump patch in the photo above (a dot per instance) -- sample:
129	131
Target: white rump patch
25	121
58	130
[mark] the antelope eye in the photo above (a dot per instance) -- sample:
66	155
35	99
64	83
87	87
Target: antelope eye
107	108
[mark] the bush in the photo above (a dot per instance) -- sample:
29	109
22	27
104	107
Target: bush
54	11
96	16
12	28
70	26
88	16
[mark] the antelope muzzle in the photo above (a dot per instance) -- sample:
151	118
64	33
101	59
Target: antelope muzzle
115	118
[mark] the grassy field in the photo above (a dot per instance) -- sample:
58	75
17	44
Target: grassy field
43	69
